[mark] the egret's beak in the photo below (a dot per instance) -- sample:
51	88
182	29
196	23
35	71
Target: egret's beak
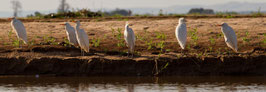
219	25
9	19
74	21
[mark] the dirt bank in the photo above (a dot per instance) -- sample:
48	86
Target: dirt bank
101	64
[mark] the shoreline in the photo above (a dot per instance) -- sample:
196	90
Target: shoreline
101	64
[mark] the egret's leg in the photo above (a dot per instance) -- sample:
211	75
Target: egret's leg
132	55
128	51
80	51
132	52
182	53
19	43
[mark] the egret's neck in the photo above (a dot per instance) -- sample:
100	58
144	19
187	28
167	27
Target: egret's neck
127	26
14	20
182	22
77	26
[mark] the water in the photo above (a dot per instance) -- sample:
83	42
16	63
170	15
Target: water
131	84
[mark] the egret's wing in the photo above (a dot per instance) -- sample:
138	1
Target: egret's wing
233	38
126	35
85	40
71	35
230	37
181	35
132	35
20	30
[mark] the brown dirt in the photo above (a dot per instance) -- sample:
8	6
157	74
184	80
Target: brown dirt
109	59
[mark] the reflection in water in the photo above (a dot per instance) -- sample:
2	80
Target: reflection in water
130	84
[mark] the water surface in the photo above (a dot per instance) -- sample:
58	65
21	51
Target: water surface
130	84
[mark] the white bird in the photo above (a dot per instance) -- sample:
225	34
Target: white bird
181	33
82	38
71	34
229	36
130	39
20	30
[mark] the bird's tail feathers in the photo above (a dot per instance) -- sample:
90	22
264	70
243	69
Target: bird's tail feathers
87	50
235	50
182	46
25	41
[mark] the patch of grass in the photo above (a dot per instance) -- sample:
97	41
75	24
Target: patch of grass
220	35
226	14
212	40
162	38
32	42
9	35
49	40
165	66
246	39
5	43
149	44
194	36
219	51
67	43
229	16
15	43
96	42
199	54
264	39
210	49
117	33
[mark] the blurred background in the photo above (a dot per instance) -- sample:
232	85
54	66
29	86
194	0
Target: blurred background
94	8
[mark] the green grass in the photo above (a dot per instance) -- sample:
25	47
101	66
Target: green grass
194	36
212	40
49	39
149	44
117	33
32	42
14	41
162	38
96	42
245	38
67	43
264	39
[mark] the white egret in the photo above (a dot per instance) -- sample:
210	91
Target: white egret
20	30
71	34
181	33
82	38
229	36
130	39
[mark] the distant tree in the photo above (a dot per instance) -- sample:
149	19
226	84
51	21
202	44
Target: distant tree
119	12
160	12
63	7
200	11
37	13
16	6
